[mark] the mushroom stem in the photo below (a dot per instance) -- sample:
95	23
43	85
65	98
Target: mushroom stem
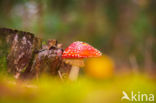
74	72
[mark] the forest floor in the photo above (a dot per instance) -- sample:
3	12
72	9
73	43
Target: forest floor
85	90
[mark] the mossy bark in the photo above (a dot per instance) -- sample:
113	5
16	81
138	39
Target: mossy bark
26	57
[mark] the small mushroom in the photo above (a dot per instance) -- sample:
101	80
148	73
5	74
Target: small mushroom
75	55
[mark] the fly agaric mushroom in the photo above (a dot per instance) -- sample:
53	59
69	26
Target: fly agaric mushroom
74	55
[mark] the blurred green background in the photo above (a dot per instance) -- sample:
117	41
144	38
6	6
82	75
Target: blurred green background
122	29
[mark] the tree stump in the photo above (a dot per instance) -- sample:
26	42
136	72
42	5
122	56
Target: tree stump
27	57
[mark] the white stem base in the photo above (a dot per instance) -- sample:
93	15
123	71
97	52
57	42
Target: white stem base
74	72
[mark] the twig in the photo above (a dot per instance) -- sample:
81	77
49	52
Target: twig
60	75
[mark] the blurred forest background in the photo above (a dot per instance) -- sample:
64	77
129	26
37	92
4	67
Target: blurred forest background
123	29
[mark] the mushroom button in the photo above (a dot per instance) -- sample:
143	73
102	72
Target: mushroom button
74	55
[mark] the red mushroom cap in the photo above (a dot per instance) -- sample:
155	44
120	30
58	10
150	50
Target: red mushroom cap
80	50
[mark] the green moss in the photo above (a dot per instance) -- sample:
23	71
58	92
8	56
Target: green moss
85	90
